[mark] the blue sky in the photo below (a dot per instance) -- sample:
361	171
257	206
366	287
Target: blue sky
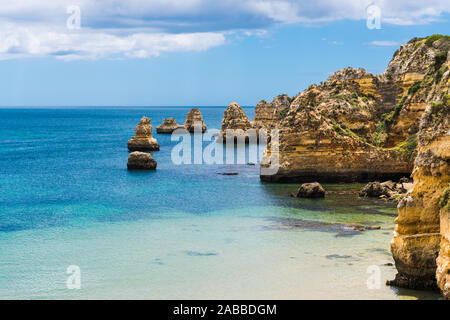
197	54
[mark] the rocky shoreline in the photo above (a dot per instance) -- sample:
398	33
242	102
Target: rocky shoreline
359	127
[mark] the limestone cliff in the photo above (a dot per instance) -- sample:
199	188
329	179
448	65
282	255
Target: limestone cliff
194	117
443	260
357	126
422	231
268	115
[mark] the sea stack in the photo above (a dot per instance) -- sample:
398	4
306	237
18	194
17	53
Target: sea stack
141	161
169	125
143	141
236	123
194	118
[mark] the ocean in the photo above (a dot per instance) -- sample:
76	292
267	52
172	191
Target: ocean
180	232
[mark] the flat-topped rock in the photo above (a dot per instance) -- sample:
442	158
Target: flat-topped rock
169	125
141	161
194	119
143	141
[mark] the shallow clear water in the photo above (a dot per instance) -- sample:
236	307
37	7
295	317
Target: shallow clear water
177	233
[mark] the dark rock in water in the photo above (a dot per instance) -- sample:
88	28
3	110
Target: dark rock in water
373	189
387	190
201	254
169	125
228	173
363	228
337	256
311	190
141	161
251	163
143	141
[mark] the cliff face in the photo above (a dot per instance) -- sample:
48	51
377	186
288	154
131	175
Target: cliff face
268	115
443	260
422	231
357	126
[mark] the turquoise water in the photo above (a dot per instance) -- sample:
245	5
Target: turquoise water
181	232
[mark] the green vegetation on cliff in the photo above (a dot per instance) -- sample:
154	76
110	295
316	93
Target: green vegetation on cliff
429	40
445	199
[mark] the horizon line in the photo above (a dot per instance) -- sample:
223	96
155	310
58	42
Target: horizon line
118	107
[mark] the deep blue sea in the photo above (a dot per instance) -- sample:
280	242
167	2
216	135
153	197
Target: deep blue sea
180	232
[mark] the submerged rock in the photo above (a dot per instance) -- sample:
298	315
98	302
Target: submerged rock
311	190
169	125
194	119
143	141
228	173
363	228
141	161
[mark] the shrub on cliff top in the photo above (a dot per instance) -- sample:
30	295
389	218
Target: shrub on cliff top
434	37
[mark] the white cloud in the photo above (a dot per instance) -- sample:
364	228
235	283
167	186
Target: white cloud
385	43
145	28
26	42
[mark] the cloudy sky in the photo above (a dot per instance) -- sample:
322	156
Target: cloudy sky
195	52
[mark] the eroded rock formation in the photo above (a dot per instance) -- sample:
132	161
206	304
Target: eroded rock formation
141	161
357	126
169	125
268	115
422	231
235	125
194	117
143	141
